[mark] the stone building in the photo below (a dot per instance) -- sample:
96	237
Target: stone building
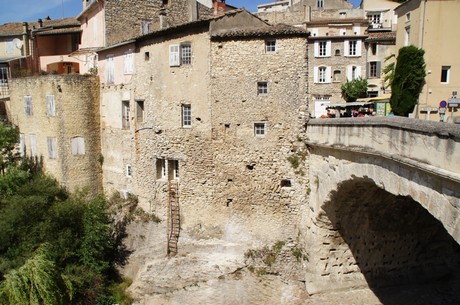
380	43
205	115
430	25
337	54
58	118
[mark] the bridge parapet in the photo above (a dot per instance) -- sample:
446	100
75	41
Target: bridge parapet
429	146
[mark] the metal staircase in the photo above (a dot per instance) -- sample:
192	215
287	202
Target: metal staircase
173	228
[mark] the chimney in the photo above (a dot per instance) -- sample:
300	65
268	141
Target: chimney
219	7
163	23
25	38
40	23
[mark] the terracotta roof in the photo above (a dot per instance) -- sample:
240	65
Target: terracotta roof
16	28
276	30
66	30
390	36
337	20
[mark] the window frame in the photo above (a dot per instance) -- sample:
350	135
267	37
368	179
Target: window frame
140	104
320	3
125	115
260	129
262	88
271	46
128	62
50	105
445	74
52	147
28	106
161	168
186	53
129	171
33	145
78	146
322	72
110	69
186	115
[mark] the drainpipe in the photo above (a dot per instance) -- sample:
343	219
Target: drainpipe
421	46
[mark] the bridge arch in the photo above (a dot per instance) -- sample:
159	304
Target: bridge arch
376	218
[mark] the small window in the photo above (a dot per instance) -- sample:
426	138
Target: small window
262	88
173	169
146	56
286	183
28	105
161	168
352	44
146	27
125	114
186	54
128	62
139	111
33	145
50	105
180	54
165	2
259	129
129	171
408	17
110	69
374	69
445	74
337	52
373	48
51	147
22	145
320	3
270	46
78	146
322	74
186	115
337	75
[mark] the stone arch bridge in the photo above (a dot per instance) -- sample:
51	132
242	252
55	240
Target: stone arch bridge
384	202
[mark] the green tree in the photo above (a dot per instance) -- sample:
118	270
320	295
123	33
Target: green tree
389	72
352	90
408	80
9	137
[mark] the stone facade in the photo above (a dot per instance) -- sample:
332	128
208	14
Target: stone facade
124	19
71	127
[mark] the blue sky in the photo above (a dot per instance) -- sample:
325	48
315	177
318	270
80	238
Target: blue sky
32	10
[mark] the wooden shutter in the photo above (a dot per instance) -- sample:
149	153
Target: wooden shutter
328	74
328	48
50	105
358	47
315	74
316	48
379	68
349	72
174	55
346	48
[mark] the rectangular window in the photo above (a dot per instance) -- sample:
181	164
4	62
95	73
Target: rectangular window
320	3
186	115
128	63
50	105
374	20
322	48
352	47
28	105
186	54
270	46
146	27
180	54
445	74
125	114
262	88
22	145
139	111
110	69
407	36
51	147
321	74
374	48
78	146
33	145
374	69
161	168
259	129
129	171
173	169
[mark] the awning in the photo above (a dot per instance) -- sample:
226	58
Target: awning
375	99
352	104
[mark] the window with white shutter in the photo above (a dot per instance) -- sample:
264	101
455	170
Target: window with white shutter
51	147
78	146
22	145
110	69
353	72
33	145
322	74
174	55
50	105
128	62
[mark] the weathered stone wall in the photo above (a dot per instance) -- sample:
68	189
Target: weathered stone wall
77	115
123	19
255	184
